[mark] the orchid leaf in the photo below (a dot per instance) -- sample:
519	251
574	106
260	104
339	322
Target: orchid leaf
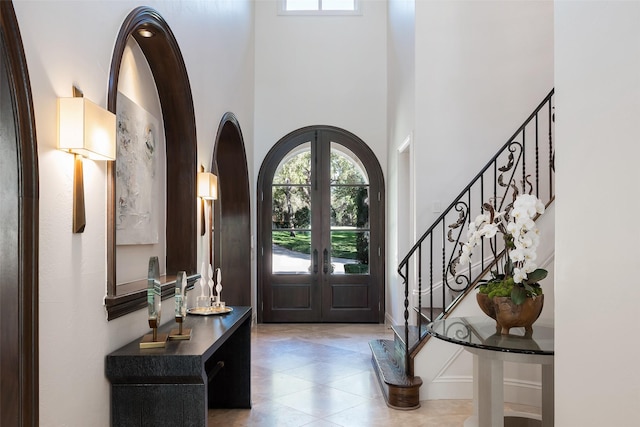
518	295
536	275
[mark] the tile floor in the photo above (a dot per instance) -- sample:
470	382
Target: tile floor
320	375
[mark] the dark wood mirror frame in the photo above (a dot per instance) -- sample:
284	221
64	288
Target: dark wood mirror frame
169	72
19	313
232	212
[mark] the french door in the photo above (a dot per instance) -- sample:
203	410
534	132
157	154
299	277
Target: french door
321	230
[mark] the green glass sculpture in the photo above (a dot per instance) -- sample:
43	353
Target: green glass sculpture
181	308
154	301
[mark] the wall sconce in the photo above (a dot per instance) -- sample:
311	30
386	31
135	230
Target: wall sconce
85	130
207	190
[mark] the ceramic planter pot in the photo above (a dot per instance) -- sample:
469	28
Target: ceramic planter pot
509	315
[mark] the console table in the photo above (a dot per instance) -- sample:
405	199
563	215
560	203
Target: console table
175	385
490	350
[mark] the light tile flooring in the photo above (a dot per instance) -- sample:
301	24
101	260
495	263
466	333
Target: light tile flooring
320	375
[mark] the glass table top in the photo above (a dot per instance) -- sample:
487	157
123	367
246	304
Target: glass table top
480	332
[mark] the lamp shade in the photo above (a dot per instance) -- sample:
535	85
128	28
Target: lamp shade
207	186
87	129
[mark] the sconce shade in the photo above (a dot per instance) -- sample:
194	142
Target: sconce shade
85	128
207	186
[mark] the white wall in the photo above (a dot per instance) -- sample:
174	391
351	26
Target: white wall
481	67
71	42
400	167
597	71
320	70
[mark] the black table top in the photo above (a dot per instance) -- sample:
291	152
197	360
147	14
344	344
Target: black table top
480	332
180	357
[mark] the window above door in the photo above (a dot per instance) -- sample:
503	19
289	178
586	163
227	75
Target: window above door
319	7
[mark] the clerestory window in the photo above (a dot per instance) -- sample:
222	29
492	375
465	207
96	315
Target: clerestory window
319	7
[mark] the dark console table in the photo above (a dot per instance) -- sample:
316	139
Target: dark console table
174	385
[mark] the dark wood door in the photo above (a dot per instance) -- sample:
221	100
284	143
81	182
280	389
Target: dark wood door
321	230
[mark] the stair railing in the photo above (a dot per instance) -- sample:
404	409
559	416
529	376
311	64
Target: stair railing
431	268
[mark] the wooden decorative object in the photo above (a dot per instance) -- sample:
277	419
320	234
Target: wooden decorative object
509	315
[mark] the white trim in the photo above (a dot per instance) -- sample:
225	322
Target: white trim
389	319
282	10
441	375
525	384
406	144
406	148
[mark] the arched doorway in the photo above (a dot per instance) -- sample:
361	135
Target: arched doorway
19	237
321	229
232	213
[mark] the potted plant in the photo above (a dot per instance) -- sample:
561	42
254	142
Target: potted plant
513	297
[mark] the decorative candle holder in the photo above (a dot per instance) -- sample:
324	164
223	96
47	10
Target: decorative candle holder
219	302
203	300
210	284
154	301
181	309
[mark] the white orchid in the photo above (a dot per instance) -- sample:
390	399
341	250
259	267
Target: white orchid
519	275
521	239
489	230
516	255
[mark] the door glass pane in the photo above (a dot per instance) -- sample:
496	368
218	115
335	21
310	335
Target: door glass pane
350	252
349	213
295	167
346	168
291	252
291	207
291	212
349	206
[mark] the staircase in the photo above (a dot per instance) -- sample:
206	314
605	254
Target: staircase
434	283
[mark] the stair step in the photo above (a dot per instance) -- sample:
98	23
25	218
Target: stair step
426	314
415	333
401	391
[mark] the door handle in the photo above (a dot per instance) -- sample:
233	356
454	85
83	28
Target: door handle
315	261
325	267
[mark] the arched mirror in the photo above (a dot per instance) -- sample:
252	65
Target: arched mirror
145	38
232	216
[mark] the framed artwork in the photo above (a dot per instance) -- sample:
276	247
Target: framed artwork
136	170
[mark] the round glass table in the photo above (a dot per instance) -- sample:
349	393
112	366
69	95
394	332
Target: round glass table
490	349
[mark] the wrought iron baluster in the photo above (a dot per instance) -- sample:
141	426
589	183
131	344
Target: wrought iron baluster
537	161
552	165
431	276
420	277
524	157
444	269
406	318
